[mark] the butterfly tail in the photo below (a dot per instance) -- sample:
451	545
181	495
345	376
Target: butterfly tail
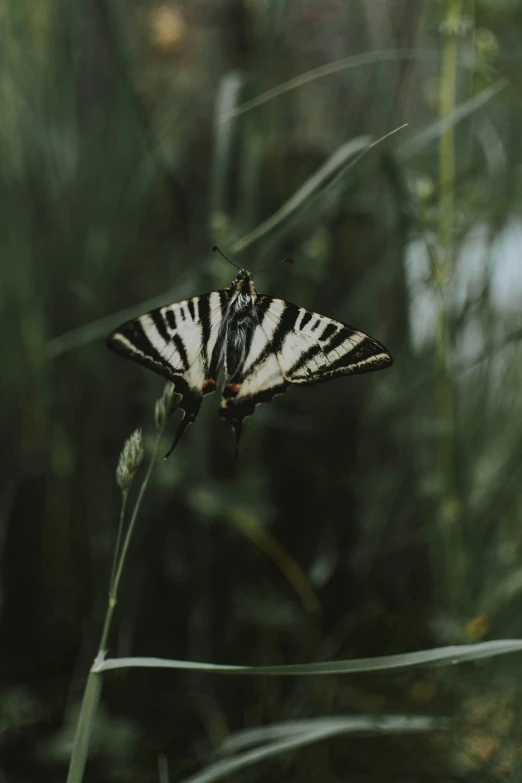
188	418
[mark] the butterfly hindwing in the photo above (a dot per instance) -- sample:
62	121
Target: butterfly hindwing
177	341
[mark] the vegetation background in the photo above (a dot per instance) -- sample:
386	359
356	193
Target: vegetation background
370	516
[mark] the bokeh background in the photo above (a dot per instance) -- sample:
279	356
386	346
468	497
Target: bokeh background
372	515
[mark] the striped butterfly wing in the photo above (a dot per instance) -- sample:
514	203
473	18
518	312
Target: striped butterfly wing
177	341
291	345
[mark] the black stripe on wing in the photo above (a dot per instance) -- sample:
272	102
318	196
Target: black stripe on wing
305	358
159	322
181	351
287	321
368	356
204	317
130	341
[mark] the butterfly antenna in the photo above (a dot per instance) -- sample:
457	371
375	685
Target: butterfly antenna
217	250
284	261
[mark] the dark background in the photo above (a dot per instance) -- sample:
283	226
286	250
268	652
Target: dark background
396	493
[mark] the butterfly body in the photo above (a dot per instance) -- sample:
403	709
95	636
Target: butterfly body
237	327
257	344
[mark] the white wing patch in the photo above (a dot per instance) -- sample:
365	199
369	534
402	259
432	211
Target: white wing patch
267	375
216	315
264	334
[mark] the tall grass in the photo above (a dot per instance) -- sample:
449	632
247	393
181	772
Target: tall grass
396	495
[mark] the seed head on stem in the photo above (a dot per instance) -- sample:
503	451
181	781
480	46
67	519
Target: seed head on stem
130	459
166	405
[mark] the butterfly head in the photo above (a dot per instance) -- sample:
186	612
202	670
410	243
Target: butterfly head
243	284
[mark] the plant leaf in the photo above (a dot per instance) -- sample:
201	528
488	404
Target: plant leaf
392	724
438	656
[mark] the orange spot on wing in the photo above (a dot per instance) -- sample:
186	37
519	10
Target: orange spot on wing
233	387
209	385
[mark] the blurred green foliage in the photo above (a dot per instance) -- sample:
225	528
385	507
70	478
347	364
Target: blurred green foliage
396	496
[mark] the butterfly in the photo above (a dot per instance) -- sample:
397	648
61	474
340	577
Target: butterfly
259	344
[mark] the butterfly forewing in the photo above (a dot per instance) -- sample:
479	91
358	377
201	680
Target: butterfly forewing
177	341
316	348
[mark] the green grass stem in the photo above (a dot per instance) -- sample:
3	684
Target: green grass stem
442	271
82	740
93	686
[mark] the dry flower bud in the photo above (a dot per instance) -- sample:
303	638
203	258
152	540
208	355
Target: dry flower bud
130	459
166	405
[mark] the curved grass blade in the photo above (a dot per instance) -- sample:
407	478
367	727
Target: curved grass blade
368	58
350	724
100	328
393	724
337	164
431	133
438	656
332	166
227	96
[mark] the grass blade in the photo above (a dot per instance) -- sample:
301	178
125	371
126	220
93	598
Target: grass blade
334	168
419	141
101	327
351	724
438	656
387	725
355	61
227	95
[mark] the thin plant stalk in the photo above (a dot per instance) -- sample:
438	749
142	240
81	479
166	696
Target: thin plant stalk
450	507
121	557
91	696
125	495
